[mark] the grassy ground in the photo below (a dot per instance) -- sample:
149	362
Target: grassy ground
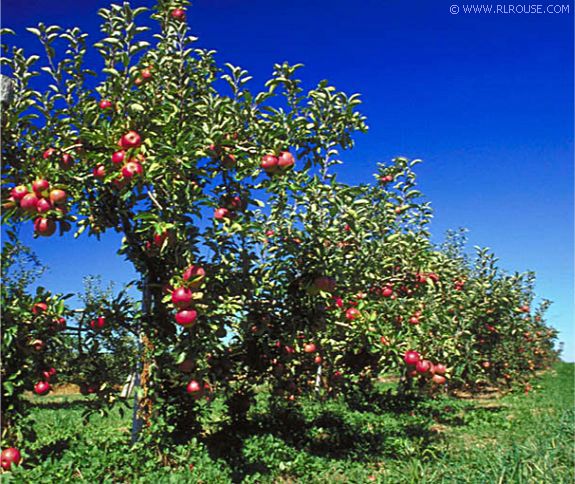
513	439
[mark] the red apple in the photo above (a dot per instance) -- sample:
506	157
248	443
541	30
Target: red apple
130	140
38	308
105	104
58	324
146	74
118	156
317	360
196	274
439	379
10	457
29	202
440	369
99	171
352	313
221	213
414	320
384	341
41	388
48	153
58	196
423	366
269	163
285	160
182	297
411	357
132	169
40	186
186	317
19	192
44	226
178	14
43	205
309	348
387	291
194	388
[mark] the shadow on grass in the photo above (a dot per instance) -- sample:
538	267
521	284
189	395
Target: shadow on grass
326	435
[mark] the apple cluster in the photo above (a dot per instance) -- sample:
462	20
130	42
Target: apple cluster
424	368
273	164
129	161
183	297
42	201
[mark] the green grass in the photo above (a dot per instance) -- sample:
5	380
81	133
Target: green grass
514	439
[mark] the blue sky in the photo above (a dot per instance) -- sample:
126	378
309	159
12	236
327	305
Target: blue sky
485	100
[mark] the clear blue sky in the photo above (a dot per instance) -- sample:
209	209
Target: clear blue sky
485	100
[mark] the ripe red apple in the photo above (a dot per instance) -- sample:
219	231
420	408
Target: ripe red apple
132	169
285	160
386	178
352	313
423	366
221	213
486	365
196	274
44	226
118	156
40	186
146	74
439	379
19	192
182	297
29	202
130	140
387	291
43	205
440	369
186	317
178	14
414	320
38	308
98	323
138	81
41	388
411	357
309	348
317	360
99	171
524	308
105	104
48	153
269	163
10	457
194	388
58	196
